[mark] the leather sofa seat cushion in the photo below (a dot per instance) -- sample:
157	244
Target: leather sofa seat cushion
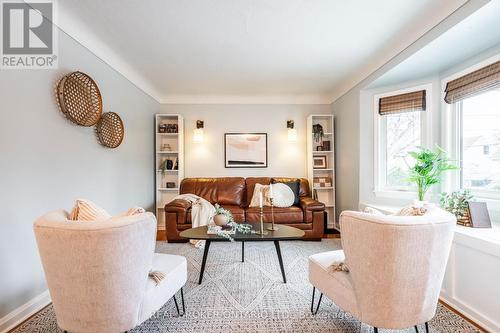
224	191
238	213
288	215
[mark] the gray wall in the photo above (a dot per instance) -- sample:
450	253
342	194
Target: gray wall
207	159
346	112
47	162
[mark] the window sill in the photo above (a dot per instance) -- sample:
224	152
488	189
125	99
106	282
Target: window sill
486	240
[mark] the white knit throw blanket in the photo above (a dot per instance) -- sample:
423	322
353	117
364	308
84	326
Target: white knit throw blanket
202	213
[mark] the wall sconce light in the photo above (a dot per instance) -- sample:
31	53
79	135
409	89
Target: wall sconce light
292	132
198	131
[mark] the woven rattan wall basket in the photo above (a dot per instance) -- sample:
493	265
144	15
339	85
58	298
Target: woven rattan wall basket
79	99
110	130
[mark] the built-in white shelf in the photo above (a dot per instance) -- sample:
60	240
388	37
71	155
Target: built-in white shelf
175	141
325	195
167	134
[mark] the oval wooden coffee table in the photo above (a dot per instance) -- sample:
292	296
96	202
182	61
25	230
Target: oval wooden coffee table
283	233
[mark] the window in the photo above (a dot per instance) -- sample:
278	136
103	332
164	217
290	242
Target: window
397	134
480	142
402	135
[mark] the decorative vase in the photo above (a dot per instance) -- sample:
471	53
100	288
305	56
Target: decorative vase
220	220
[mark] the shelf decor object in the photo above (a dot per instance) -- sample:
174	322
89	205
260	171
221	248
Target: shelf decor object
79	99
110	130
169	161
321	164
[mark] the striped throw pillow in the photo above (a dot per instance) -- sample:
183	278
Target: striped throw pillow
86	210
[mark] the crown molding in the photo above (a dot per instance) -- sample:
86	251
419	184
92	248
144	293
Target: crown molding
245	99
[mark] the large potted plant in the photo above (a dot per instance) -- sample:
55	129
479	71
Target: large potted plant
428	168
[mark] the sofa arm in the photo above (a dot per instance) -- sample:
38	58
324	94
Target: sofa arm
308	203
177	206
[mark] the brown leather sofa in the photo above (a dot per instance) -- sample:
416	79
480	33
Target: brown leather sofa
235	194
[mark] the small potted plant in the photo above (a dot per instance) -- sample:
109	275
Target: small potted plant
222	216
318	133
428	168
457	203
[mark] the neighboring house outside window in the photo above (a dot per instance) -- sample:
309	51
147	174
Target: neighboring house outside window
479	136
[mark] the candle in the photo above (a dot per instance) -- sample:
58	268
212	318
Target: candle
260	199
271	191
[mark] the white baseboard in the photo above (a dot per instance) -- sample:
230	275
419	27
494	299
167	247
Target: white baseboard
471	314
24	312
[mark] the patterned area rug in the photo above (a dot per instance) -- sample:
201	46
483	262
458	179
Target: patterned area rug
250	296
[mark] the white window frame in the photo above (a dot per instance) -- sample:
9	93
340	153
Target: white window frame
380	187
450	138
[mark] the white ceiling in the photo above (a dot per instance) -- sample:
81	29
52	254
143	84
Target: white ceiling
477	33
273	50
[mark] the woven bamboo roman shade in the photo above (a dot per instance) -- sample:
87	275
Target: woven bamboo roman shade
473	83
409	102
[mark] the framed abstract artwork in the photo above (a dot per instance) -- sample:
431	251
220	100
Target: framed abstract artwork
245	150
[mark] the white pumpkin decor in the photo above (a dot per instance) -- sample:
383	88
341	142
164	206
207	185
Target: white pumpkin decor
282	195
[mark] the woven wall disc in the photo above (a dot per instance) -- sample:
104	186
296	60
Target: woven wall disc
110	130
79	99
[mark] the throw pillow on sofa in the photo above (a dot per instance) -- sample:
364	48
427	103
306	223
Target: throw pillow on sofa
283	195
294	186
256	193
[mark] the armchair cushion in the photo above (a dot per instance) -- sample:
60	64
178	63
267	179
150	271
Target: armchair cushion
175	270
335	284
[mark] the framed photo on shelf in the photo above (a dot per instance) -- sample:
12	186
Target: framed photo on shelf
245	150
319	162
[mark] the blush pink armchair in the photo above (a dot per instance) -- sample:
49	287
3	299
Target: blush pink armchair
97	272
396	266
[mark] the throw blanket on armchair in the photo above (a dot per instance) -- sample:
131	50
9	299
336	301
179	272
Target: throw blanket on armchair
202	213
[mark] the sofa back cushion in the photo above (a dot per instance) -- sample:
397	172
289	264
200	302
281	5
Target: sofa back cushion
251	181
225	191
